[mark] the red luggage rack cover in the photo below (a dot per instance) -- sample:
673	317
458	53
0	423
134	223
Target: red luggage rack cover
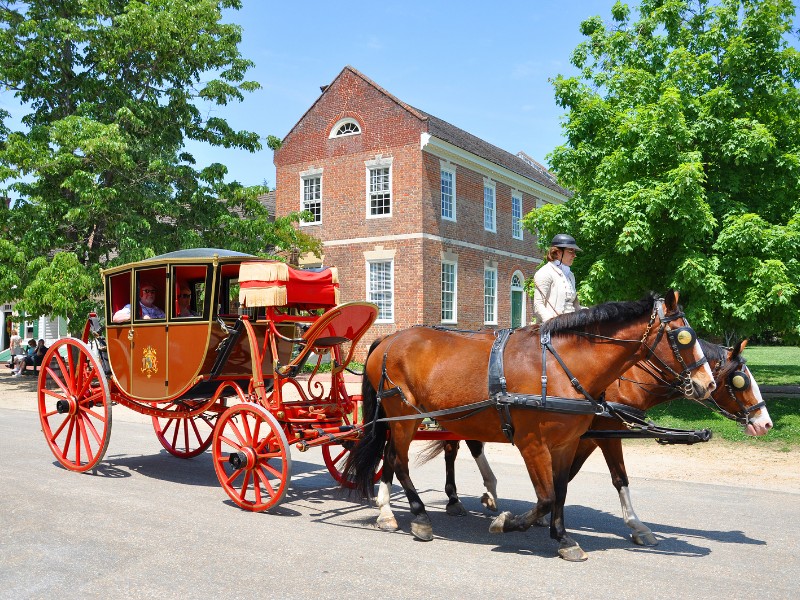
273	283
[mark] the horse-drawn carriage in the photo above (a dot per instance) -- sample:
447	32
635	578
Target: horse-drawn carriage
222	369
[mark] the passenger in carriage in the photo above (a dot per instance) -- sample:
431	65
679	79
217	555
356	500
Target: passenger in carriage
185	301
147	307
555	292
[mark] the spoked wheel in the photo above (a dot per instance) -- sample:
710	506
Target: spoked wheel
251	457
182	435
74	405
335	455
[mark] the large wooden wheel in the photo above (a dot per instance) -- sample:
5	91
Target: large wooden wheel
335	455
251	457
74	405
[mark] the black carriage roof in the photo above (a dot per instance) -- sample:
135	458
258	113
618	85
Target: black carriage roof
183	256
199	253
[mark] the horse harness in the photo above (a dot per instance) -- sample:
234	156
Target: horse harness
503	401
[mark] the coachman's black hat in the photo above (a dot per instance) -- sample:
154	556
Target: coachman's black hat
562	240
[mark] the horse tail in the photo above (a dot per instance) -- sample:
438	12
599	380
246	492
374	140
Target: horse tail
364	459
431	450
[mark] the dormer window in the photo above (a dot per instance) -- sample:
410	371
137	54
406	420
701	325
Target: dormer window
345	127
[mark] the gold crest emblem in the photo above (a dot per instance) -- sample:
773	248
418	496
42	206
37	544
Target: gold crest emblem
149	361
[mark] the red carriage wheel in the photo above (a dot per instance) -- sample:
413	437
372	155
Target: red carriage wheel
181	435
74	405
251	457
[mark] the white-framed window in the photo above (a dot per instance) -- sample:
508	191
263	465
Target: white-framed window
516	215
345	127
448	188
449	291
380	288
379	188
311	197
490	296
489	206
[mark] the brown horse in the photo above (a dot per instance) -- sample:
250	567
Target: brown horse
642	387
542	408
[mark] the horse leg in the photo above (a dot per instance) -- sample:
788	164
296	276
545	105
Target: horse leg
386	520
421	526
454	507
538	464
584	451
612	451
568	549
489	498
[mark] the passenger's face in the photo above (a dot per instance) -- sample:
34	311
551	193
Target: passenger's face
147	295
184	297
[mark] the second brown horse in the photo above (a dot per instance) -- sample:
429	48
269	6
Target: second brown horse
420	371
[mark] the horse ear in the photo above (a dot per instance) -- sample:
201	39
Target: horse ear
671	300
738	349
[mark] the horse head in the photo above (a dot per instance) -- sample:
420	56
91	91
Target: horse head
683	356
737	396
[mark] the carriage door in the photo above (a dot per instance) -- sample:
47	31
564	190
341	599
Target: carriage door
189	324
517	300
148	335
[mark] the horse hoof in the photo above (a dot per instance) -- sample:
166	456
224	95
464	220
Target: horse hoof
387	524
644	539
573	554
499	523
489	502
456	510
422	530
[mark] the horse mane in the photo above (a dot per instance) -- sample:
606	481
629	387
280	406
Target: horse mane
608	312
716	352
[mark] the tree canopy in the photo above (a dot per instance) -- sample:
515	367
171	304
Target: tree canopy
683	151
112	91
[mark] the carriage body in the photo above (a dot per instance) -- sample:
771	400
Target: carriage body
236	355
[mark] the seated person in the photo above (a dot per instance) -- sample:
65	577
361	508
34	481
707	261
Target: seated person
21	361
41	350
147	297
185	301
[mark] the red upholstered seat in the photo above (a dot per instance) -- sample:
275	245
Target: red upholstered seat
272	283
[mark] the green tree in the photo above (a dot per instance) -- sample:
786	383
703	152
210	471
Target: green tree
682	140
114	90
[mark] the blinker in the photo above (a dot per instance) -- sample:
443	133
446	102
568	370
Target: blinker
685	337
740	381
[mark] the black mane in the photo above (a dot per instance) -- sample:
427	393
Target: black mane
715	352
608	312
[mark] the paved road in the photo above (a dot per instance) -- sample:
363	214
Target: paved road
149	525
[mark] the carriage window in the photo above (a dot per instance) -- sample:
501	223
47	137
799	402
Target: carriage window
150	296
118	295
189	301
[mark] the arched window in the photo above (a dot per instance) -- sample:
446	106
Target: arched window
345	127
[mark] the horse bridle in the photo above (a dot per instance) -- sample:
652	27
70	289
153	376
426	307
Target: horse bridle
679	339
737	381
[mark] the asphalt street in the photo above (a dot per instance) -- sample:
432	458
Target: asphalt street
148	525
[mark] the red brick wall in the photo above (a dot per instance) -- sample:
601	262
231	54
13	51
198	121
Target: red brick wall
390	130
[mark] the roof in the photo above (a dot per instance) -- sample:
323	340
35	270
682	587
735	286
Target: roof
268	201
198	253
451	134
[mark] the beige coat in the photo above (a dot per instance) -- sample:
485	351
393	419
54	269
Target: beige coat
553	295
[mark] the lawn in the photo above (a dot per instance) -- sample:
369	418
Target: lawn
770	365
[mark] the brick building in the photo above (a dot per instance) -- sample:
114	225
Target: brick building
419	216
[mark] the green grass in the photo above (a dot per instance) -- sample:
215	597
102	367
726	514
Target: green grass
774	365
770	365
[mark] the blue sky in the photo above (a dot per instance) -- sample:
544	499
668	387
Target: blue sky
481	66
